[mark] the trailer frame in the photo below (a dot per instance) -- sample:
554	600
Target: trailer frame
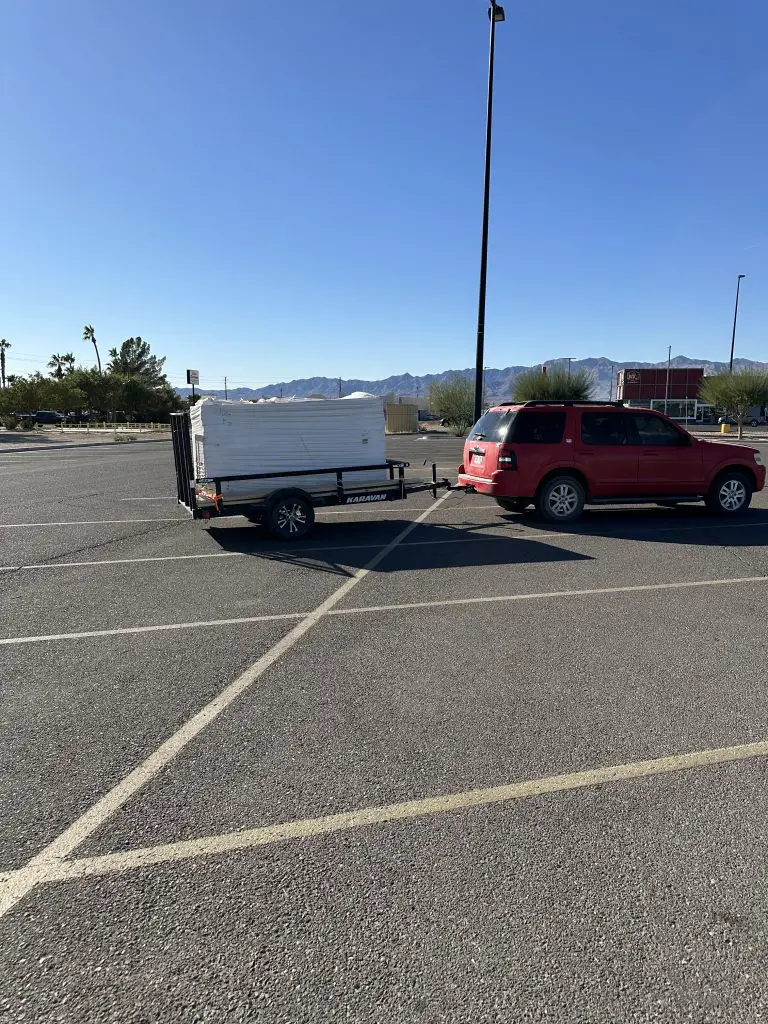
291	506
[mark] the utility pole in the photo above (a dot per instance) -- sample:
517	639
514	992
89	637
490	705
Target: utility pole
226	392
739	279
666	390
610	383
496	15
339	387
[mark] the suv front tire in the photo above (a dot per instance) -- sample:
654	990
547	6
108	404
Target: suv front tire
730	493
561	499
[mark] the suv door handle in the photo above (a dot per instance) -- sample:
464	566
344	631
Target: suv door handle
650	455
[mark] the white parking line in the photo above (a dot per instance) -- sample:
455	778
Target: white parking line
38	869
546	595
160	497
477	538
92	522
368	816
118	561
164	627
375	609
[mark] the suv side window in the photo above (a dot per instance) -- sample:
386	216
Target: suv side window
604	428
538	427
650	429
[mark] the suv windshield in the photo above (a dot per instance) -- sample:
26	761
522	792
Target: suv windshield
493	426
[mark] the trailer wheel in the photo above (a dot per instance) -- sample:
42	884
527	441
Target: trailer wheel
290	516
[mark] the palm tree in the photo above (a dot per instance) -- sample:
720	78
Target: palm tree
68	362
3	346
57	364
90	335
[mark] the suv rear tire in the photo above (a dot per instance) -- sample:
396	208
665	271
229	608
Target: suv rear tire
730	494
513	504
561	499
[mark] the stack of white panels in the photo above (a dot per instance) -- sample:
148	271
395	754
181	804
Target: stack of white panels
235	438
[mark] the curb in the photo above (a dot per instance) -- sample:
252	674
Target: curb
84	444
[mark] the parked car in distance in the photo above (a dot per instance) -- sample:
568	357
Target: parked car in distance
560	456
45	417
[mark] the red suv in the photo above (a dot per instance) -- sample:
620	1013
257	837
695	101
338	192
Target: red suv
563	455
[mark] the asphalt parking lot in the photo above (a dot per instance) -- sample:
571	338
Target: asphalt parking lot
434	763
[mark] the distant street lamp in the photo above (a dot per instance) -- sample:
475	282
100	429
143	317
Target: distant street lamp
495	14
739	279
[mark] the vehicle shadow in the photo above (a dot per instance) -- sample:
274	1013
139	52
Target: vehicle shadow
686	524
344	548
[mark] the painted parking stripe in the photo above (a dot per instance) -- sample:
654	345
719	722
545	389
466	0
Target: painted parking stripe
476	539
165	627
370	816
91	522
546	595
38	870
379	608
159	497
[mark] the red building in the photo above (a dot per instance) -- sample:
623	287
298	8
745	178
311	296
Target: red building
641	387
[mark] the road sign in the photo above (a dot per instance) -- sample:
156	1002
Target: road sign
193	377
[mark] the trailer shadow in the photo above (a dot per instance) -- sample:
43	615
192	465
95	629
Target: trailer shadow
343	550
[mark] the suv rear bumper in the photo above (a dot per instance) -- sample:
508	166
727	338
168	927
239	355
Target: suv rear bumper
501	484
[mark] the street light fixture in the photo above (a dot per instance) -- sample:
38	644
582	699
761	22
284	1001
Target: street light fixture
495	16
739	279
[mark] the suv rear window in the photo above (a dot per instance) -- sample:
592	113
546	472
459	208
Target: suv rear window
538	427
493	426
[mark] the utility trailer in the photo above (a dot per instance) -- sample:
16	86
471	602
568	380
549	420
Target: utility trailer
288	512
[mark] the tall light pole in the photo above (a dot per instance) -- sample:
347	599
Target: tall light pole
495	14
666	389
739	279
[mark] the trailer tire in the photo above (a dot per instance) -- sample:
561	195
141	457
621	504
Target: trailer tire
290	515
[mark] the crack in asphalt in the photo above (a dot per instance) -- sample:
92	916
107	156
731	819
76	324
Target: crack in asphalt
145	531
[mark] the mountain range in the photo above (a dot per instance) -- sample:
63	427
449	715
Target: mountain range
497	381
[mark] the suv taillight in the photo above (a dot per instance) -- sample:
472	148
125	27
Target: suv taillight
507	458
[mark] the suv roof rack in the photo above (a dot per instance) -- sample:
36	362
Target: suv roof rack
562	401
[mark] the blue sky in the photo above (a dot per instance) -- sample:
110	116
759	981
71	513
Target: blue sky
270	190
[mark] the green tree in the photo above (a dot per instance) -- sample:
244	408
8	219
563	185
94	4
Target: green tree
454	399
66	396
58	364
26	394
3	346
736	393
90	335
134	359
554	385
96	389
